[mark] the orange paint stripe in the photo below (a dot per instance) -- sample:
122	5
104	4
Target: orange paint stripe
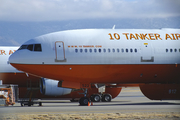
105	73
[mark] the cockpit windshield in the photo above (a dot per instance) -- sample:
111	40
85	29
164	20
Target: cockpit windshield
23	47
32	47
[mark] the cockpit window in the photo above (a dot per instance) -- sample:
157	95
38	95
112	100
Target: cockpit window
37	47
32	47
23	47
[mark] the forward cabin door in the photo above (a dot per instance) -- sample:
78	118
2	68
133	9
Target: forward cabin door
60	51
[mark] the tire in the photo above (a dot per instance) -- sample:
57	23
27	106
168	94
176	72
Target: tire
95	98
22	104
40	103
84	101
106	98
29	104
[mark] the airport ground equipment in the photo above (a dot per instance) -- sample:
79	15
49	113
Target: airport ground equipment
31	93
8	94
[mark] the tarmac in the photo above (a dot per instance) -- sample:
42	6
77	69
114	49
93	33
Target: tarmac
130	104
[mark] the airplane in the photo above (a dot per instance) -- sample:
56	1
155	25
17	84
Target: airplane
43	88
148	57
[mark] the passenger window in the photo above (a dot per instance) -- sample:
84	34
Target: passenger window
99	50
109	50
179	50
85	50
117	50
175	50
90	50
135	50
131	50
166	50
30	47
104	50
95	50
76	50
113	50
126	50
81	50
122	50
171	50
37	47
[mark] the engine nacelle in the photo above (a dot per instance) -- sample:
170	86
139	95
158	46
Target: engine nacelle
50	87
161	91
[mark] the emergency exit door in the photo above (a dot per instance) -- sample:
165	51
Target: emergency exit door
60	51
147	53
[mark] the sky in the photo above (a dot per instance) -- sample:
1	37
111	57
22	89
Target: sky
21	20
58	10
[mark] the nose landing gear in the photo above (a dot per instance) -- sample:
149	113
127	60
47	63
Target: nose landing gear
84	100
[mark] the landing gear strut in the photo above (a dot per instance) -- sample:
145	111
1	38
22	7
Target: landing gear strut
84	100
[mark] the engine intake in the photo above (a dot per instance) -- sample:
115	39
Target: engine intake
50	87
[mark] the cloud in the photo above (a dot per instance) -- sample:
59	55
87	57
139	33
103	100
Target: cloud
8	41
106	5
57	10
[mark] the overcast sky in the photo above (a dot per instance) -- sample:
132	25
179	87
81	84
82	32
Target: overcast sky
57	10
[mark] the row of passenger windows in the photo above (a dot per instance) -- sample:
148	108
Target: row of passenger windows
116	50
172	50
105	50
31	47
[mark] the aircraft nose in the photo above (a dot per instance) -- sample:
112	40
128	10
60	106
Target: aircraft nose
14	58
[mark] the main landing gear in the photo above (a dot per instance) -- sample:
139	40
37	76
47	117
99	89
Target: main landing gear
101	97
94	98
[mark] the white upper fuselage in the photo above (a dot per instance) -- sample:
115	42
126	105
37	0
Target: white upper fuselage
103	56
104	46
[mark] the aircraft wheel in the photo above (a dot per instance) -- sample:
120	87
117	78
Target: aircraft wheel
29	104
106	98
22	104
40	103
84	101
95	98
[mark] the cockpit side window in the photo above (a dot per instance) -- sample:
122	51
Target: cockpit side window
37	47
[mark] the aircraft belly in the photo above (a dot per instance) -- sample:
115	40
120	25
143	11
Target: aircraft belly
106	73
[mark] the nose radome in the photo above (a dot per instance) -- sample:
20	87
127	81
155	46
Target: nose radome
14	58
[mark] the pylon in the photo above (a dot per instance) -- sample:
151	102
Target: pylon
88	104
91	103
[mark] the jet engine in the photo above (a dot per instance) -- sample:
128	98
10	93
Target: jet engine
50	87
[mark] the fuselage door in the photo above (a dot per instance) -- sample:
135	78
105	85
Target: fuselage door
60	51
147	55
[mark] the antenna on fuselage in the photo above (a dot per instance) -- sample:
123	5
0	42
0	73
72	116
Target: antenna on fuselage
114	27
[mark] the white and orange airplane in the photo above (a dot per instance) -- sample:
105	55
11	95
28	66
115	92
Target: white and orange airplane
148	57
45	88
